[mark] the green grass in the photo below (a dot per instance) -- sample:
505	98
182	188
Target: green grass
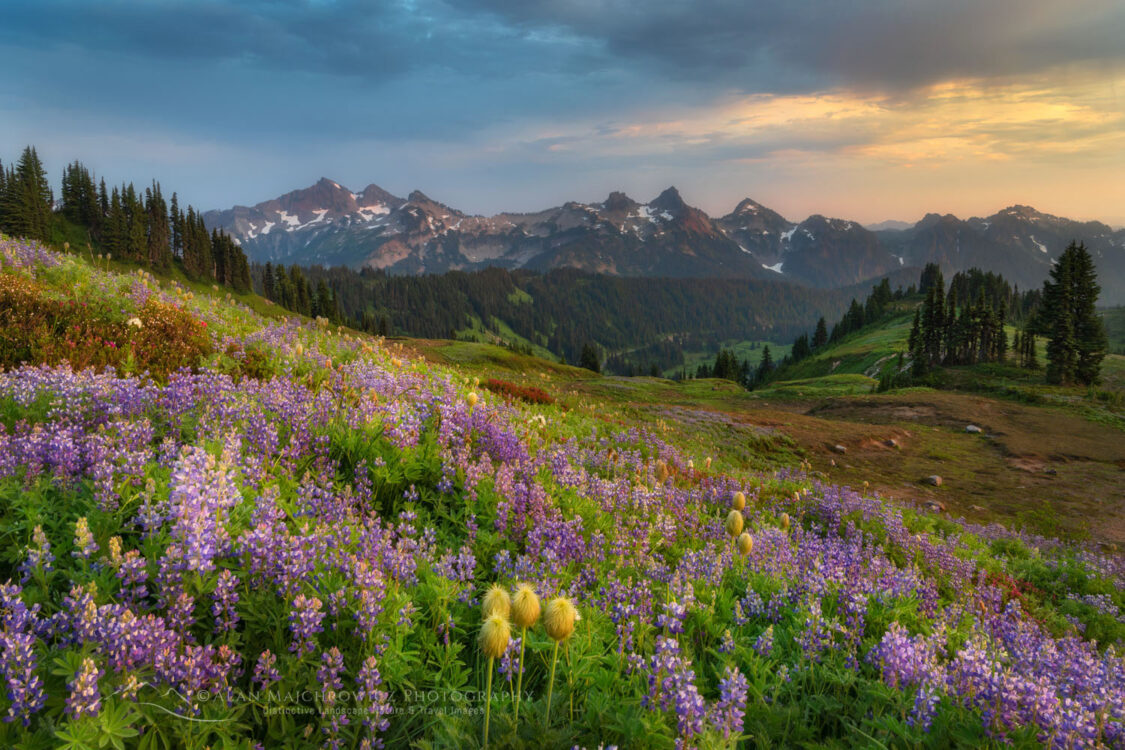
746	349
499	332
865	352
1114	318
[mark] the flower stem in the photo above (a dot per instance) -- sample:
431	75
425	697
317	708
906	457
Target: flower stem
551	683
519	680
488	701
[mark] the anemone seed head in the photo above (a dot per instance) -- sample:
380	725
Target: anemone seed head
494	636
525	606
496	602
734	523
559	618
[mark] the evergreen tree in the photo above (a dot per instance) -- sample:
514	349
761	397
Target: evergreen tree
820	337
1077	340
27	199
765	366
589	358
159	243
1089	328
801	349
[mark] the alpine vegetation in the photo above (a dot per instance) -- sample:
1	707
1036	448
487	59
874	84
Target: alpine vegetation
263	532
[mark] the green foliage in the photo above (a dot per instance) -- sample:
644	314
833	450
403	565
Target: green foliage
1077	338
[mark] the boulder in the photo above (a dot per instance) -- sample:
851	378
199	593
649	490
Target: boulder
839	449
973	429
934	506
890	443
934	480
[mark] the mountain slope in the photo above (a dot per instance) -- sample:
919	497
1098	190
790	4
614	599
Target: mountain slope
328	224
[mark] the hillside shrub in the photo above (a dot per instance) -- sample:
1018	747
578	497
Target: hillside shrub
36	328
528	393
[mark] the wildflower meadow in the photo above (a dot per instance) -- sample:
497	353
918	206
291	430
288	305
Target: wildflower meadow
224	530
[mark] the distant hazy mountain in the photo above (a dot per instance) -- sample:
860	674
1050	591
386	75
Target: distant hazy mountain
889	224
1018	242
328	224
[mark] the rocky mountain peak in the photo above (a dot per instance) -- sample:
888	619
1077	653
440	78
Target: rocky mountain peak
618	201
669	201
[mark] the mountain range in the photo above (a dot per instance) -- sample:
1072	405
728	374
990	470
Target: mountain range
328	224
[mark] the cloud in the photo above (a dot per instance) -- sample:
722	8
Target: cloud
801	45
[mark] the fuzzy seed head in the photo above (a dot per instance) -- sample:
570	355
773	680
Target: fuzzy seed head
494	636
559	617
525	606
707	463
472	399
661	470
496	602
734	523
745	543
738	502
785	521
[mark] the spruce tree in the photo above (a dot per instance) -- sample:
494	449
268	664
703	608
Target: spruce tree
1058	300
589	358
765	367
820	337
1090	337
27	199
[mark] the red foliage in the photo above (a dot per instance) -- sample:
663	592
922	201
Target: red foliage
527	393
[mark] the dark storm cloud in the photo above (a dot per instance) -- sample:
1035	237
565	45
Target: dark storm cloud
797	44
372	39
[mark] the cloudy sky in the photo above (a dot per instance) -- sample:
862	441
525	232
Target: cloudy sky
866	109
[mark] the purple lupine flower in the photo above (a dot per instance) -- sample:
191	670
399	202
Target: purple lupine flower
763	644
265	671
305	622
374	703
132	573
18	663
225	598
509	662
39	555
731	708
328	675
85	699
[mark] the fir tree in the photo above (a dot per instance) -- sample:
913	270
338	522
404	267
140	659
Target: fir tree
589	358
28	199
820	337
765	366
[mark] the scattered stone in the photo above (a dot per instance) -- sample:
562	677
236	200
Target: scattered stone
935	506
839	449
978	508
1051	472
833	462
934	479
890	443
973	429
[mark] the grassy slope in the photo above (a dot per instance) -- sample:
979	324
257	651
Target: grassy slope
1115	325
707	418
1050	458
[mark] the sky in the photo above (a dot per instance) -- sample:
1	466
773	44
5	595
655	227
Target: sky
862	109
